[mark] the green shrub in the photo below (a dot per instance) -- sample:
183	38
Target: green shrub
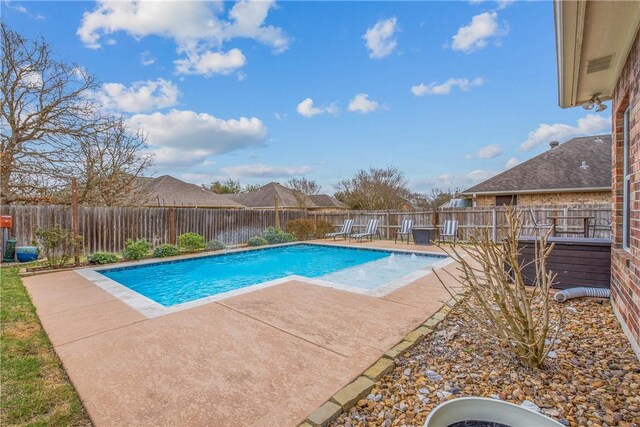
216	245
322	228
103	258
275	235
136	249
166	250
191	242
257	241
58	245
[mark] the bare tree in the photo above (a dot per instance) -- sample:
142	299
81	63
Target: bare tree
304	185
110	165
302	189
45	110
435	197
374	189
508	310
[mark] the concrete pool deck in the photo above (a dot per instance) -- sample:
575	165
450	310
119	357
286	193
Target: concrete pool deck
268	357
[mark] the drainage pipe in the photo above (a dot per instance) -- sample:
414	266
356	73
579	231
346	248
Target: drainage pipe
568	294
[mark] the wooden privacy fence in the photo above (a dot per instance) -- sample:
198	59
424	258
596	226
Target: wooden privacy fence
469	219
107	228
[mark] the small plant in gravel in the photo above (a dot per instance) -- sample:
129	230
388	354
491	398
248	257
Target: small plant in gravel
136	249
275	235
166	250
257	241
58	245
191	242
493	275
216	245
102	258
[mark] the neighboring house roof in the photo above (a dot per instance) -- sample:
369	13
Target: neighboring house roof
326	201
264	197
556	170
169	191
287	198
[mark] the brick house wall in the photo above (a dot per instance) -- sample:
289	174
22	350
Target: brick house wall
625	265
537	199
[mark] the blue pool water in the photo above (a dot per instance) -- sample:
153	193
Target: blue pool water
176	282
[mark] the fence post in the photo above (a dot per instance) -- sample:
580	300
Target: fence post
434	221
75	227
172	226
388	231
494	225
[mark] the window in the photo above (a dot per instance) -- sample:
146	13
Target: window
626	182
511	200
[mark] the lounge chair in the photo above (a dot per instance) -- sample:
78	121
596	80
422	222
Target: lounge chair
405	230
371	230
344	231
450	230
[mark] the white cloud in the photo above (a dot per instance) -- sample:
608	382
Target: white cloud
307	109
186	138
196	27
264	171
362	104
502	4
474	36
452	180
446	87
199	178
512	162
146	58
487	152
379	38
139	97
208	63
589	125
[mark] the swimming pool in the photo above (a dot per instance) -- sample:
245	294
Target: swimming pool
180	282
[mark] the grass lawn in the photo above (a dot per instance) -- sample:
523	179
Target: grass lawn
35	388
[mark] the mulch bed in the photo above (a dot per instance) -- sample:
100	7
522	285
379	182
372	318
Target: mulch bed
593	378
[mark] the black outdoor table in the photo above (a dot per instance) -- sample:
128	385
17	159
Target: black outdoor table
424	235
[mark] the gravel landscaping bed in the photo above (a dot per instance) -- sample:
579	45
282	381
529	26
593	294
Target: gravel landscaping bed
592	377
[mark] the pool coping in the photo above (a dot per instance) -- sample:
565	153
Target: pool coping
152	309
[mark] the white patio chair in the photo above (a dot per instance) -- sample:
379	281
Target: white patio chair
449	230
371	230
344	231
405	230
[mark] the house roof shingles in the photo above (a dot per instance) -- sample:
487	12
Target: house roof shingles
326	201
556	169
287	198
166	190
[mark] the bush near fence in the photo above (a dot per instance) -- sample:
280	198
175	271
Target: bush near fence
107	228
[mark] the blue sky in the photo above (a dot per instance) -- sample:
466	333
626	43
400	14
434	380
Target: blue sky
450	92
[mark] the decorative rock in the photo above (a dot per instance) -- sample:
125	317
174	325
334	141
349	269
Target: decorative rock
530	405
552	355
432	375
407	372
